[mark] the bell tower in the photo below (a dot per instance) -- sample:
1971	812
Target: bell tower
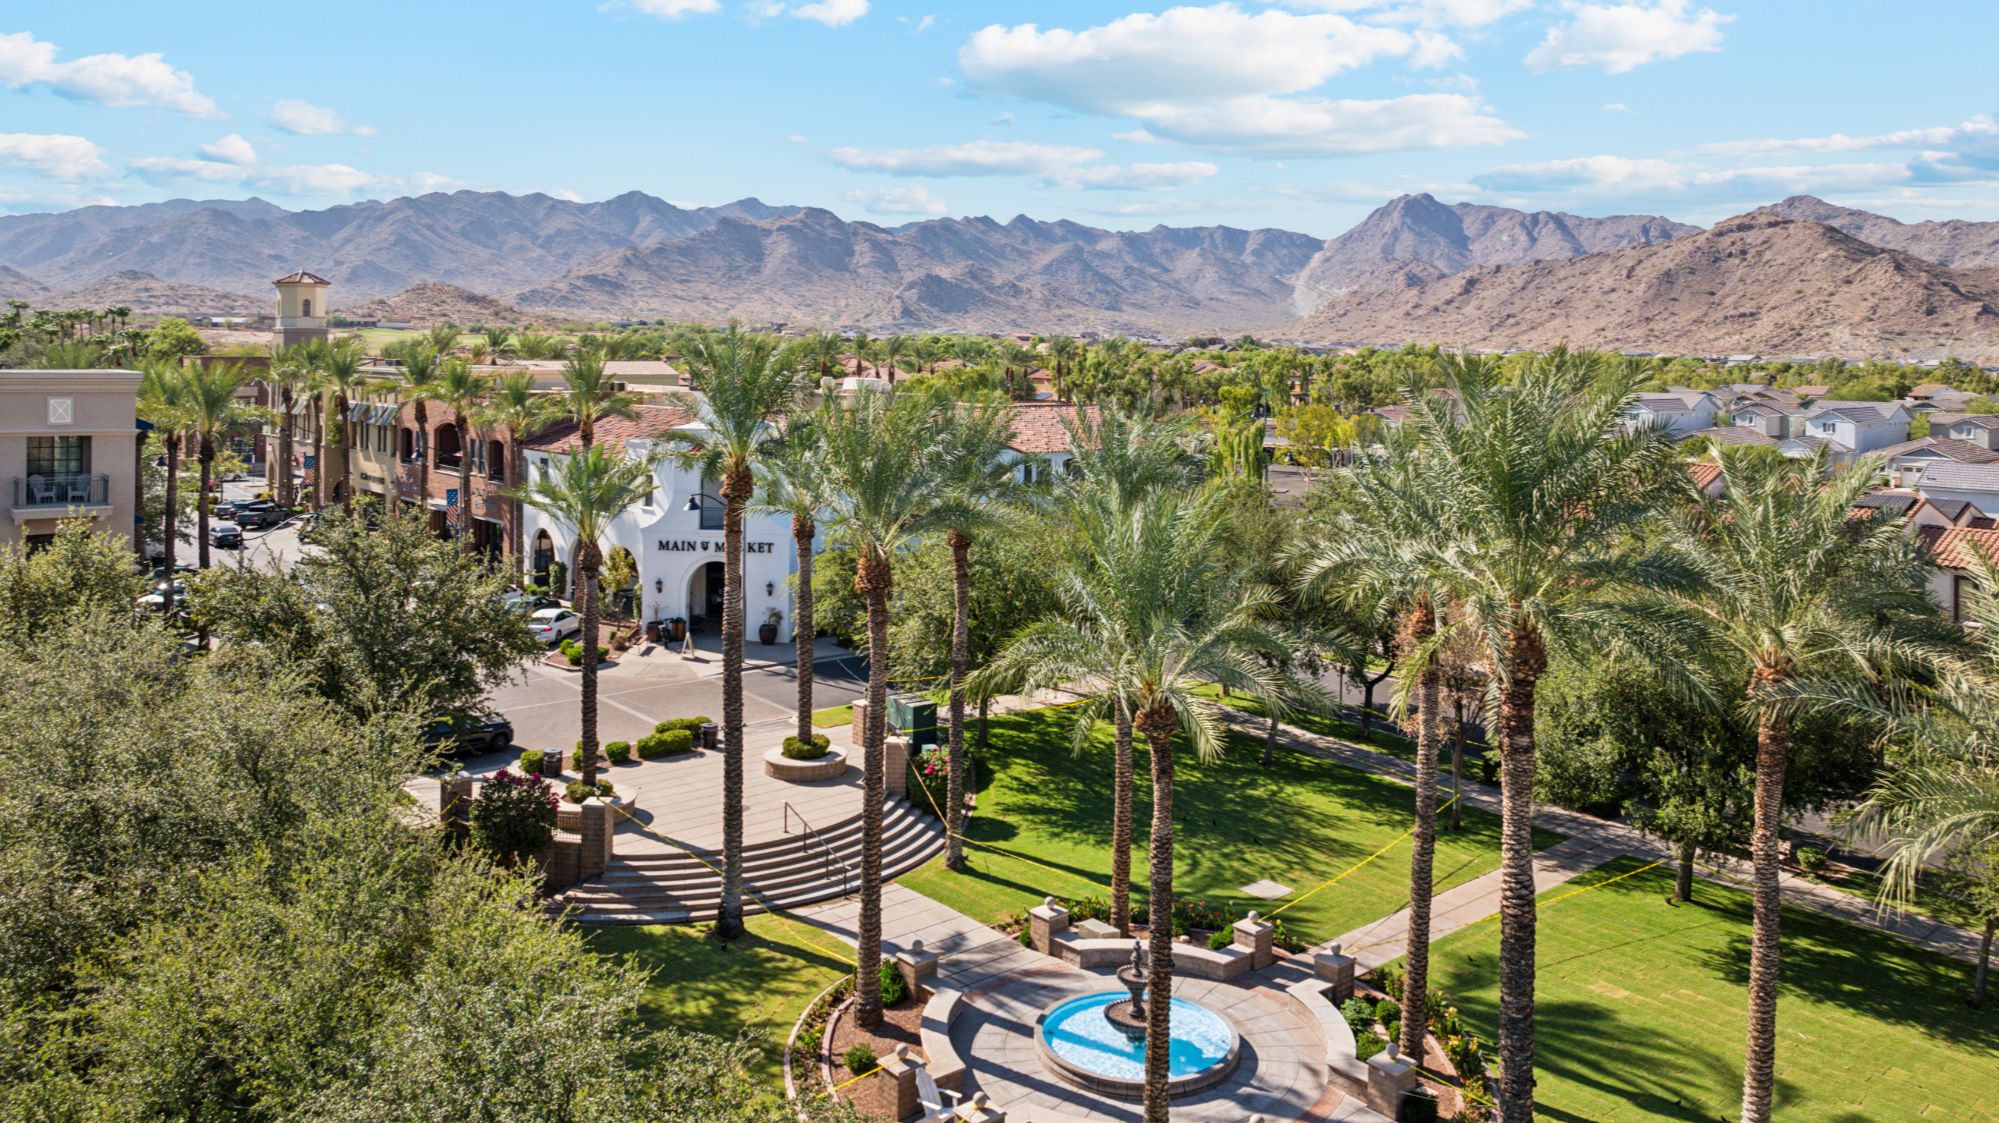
301	309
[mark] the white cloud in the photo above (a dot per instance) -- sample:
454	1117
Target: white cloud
302	118
1616	107
918	26
1977	127
1456	13
899	201
1624	176
796	138
978	157
289	179
832	13
1233	81
231	149
1004	119
1132	177
1137	136
564	194
674	9
119	81
58	155
1617	38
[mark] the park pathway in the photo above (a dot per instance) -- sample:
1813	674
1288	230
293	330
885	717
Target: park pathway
970	954
1591	842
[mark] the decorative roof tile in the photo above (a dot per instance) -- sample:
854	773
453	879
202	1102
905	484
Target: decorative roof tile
1038	426
648	422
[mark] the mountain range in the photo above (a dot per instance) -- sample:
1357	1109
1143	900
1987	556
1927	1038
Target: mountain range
1414	269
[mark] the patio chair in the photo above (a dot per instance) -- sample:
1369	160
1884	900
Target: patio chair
79	489
932	1100
41	492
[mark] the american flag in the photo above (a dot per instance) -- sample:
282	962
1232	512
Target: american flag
451	507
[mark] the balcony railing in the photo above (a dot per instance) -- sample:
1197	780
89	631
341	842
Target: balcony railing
59	491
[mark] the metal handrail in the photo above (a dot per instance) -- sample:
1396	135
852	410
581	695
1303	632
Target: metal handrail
811	835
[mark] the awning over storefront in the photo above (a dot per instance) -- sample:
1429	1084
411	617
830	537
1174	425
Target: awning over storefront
357	411
384	414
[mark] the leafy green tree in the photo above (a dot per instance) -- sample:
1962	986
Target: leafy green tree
174	338
163	403
211	409
337	370
81	575
379	618
514	817
746	381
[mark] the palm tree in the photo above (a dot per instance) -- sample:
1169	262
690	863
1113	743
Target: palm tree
463	393
291	373
208	399
1811	603
420	366
1367	560
514	404
980	473
588	395
496	340
442	337
876	454
823	349
891	352
589	489
162	400
789	483
746	380
340	374
1534	486
1150	617
1062	351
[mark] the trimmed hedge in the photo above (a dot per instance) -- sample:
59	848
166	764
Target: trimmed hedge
618	752
665	744
691	724
819	746
531	761
577	791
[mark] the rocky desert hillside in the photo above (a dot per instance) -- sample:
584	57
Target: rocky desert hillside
1954	243
433	304
1756	283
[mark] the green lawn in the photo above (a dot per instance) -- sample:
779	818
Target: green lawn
832	717
1640	1009
1299	822
763	981
1932	899
1328	726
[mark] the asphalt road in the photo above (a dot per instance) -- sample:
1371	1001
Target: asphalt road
545	702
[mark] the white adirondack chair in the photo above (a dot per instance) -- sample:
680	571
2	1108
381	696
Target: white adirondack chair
939	1105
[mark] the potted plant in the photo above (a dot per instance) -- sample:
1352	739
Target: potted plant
767	633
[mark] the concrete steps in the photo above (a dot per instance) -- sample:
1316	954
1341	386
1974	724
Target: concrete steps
678	887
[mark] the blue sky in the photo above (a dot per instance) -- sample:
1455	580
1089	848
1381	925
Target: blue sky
1303	114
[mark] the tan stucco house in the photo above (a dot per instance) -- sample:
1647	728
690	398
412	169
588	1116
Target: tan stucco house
68	447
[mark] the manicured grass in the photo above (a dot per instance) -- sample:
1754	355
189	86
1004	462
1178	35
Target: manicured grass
832	717
1328	726
1932	900
761	982
1299	822
1641	1005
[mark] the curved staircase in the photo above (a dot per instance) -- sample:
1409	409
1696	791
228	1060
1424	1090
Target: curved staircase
806	866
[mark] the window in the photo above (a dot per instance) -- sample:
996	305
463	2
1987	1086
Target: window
305	307
58	456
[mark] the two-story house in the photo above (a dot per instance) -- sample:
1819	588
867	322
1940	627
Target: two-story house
1856	428
69	449
1773	419
1678	412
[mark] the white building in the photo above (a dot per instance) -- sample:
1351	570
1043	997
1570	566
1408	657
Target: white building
1977	484
1855	428
1677	412
676	538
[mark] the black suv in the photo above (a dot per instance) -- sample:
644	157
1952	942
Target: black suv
469	734
258	514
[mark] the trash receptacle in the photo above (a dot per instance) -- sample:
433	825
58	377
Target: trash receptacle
654	630
912	716
708	735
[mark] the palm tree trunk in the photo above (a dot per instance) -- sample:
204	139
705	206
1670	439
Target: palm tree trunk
281	482
319	455
465	488
1526	660
1759	1059
736	489
173	517
961	646
422	451
872	579
802	632
1979	975
586	582
1121	801
516	533
1417	629
205	457
1158	725
1683	881
1457	764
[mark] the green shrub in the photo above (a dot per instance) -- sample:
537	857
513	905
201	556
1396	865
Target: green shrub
514	817
569	648
1811	859
577	791
1387	1009
531	761
1027	937
817	747
618	752
691	724
574	653
1392	1028
859	1059
809	1040
1418	1106
1219	940
1366	1045
1389	979
1359	1013
665	744
893	990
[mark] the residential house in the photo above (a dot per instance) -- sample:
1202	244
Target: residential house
1732	435
1901	503
1955	553
1981	429
1041	436
1905	462
1977	484
1771	418
1677	412
1856	428
69	449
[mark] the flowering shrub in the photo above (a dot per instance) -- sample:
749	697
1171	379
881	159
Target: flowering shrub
514	817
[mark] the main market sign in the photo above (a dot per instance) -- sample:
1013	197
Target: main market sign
708	546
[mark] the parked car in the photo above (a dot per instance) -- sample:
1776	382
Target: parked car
223	511
156	600
258	514
469	734
526	603
226	536
552	624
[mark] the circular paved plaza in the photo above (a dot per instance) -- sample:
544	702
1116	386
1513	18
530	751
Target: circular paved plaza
1281	1074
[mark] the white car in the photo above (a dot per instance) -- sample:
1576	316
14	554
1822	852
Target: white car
551	624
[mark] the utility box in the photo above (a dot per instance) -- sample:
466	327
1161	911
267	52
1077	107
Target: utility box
913	716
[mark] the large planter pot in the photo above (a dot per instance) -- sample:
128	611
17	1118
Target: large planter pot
767	634
781	767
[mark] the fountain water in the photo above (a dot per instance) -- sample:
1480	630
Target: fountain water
1098	1041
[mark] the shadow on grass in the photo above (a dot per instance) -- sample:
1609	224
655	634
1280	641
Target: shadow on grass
702	984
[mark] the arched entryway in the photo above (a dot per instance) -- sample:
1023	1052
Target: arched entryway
704	599
541	558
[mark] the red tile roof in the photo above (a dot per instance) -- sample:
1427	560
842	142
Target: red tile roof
647	421
1704	473
1956	546
1038	426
